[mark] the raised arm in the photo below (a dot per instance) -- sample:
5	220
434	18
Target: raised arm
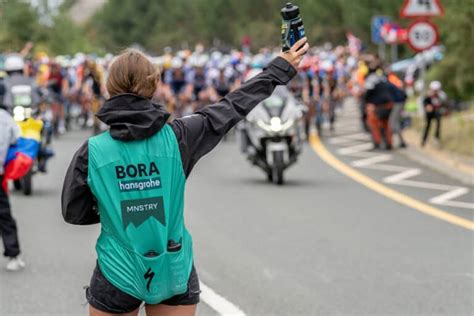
199	133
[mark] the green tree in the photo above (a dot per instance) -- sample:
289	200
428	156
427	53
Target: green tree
456	70
19	24
64	37
121	23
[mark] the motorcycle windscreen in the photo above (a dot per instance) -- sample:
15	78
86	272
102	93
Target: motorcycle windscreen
274	105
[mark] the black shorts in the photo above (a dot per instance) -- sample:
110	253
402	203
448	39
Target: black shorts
104	296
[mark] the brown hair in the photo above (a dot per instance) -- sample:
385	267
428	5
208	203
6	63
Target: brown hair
132	72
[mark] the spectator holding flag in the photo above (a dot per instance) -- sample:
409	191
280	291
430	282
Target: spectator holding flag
9	133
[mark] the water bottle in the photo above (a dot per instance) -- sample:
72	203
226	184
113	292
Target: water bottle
292	28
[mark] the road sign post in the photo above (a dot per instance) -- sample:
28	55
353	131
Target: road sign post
394	52
422	34
378	22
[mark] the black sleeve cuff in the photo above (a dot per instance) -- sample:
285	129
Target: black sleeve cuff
282	69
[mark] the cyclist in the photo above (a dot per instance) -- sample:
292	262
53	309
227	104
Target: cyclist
56	84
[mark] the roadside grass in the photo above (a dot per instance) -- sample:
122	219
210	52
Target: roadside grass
457	131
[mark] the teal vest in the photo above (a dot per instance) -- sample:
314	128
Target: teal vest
139	187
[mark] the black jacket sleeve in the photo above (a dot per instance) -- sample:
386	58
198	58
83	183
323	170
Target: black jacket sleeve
199	133
77	201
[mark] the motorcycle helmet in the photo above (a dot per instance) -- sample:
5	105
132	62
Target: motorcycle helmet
14	62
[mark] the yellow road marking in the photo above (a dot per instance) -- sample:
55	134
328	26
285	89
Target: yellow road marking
401	198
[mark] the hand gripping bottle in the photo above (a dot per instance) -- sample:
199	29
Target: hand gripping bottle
292	28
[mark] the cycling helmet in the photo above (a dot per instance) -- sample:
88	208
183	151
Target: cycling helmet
201	61
182	54
176	63
435	85
327	65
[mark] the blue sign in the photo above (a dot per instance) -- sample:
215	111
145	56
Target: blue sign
377	22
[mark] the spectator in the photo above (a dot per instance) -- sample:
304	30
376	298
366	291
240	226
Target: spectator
399	98
379	103
9	132
433	105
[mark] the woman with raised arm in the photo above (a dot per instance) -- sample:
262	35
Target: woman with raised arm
131	180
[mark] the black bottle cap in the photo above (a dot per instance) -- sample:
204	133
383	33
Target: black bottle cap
290	11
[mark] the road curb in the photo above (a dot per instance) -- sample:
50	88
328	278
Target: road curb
441	162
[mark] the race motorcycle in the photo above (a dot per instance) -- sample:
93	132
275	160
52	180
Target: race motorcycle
272	134
32	150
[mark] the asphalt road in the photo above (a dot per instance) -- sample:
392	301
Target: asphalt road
320	245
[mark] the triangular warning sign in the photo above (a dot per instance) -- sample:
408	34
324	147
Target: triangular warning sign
421	8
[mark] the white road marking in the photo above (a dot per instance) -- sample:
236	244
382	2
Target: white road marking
402	175
218	303
347	151
446	198
348	138
371	160
355	144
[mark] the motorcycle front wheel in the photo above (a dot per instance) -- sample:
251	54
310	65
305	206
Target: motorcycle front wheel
278	167
17	185
27	184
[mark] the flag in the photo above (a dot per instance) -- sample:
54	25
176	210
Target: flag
21	156
354	43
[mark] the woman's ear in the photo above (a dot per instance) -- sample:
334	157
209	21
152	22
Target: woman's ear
158	84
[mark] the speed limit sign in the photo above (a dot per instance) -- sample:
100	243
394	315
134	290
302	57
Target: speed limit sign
422	35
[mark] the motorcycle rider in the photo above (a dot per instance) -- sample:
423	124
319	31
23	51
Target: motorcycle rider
140	142
14	66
